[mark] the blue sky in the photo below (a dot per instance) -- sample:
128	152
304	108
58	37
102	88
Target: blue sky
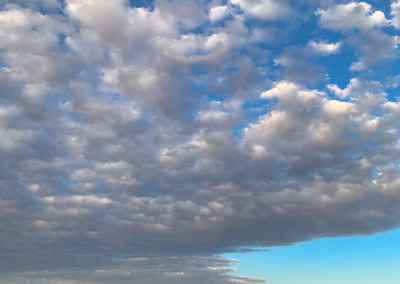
348	260
146	141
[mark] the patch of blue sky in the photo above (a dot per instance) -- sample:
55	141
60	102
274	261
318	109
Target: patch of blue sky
381	6
141	3
369	259
337	67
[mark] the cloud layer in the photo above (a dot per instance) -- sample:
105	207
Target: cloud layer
137	143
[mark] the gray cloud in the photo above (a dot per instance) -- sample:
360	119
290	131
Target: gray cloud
298	64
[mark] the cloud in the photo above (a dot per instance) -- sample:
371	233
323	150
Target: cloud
350	16
373	47
139	143
299	62
144	269
325	48
372	44
264	9
395	12
44	5
217	13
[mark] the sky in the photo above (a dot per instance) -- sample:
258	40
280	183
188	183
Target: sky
202	141
346	260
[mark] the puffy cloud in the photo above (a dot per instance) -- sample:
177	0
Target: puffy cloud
218	12
325	48
350	16
372	45
264	9
358	88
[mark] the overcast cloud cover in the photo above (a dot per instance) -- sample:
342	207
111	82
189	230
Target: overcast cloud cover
140	140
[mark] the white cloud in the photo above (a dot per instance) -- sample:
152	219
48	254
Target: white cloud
334	107
350	16
336	90
264	9
218	13
90	200
325	48
372	45
357	89
395	12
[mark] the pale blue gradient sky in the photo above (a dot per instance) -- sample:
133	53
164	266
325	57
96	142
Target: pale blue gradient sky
345	260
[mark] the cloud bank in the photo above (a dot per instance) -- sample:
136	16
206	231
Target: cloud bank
138	142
